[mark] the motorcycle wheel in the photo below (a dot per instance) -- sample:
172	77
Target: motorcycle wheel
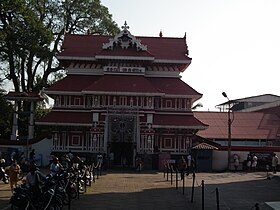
6	180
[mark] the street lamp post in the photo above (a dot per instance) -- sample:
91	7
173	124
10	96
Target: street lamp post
229	130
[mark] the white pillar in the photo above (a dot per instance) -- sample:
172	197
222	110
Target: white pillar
14	134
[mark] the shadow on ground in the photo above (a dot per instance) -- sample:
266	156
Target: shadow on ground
238	195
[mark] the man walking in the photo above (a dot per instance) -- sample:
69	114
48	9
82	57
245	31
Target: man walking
274	163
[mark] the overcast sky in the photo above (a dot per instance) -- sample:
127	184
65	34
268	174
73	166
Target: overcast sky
234	44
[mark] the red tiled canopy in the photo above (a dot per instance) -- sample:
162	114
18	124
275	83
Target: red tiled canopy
25	96
89	46
123	83
178	121
173	86
75	118
204	146
246	125
74	83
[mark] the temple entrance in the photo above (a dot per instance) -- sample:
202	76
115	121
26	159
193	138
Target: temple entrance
123	154
122	137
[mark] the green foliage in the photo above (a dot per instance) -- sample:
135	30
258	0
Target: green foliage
31	33
6	113
41	111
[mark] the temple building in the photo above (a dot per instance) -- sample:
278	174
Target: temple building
124	95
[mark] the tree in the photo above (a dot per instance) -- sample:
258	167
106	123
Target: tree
31	33
24	42
6	115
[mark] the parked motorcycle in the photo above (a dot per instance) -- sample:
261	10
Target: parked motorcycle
3	175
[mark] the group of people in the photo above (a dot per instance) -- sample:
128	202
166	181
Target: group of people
34	177
184	166
252	162
18	164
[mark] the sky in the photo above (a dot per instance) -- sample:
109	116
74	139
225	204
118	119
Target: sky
234	44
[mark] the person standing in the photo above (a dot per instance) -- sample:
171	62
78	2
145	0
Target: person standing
33	181
14	171
139	164
111	159
32	156
249	162
55	167
34	177
274	163
236	162
182	164
189	159
255	162
100	158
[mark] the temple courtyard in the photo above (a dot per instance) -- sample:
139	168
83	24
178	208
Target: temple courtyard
118	190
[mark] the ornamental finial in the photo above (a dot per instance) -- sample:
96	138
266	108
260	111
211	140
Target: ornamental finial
125	27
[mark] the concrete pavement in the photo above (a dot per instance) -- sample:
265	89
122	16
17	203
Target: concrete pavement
125	190
151	190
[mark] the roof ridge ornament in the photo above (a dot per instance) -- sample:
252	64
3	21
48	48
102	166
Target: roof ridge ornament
125	27
124	40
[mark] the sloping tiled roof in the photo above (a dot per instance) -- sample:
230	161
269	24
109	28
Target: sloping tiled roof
57	117
246	125
125	53
173	86
91	45
73	83
23	96
274	109
184	121
124	83
203	146
160	120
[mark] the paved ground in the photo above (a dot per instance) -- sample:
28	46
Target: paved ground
151	190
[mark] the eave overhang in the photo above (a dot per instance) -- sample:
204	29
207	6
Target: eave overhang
137	58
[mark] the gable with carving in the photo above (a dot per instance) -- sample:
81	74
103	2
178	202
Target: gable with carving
125	40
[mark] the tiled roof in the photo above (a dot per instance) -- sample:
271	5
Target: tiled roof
23	96
184	121
246	125
59	117
160	120
173	86
272	110
126	52
251	148
203	146
91	45
124	83
121	83
73	83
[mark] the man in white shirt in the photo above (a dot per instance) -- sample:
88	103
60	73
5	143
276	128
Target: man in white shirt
55	166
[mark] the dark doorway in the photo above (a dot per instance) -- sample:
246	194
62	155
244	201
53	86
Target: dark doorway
203	160
121	138
123	154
